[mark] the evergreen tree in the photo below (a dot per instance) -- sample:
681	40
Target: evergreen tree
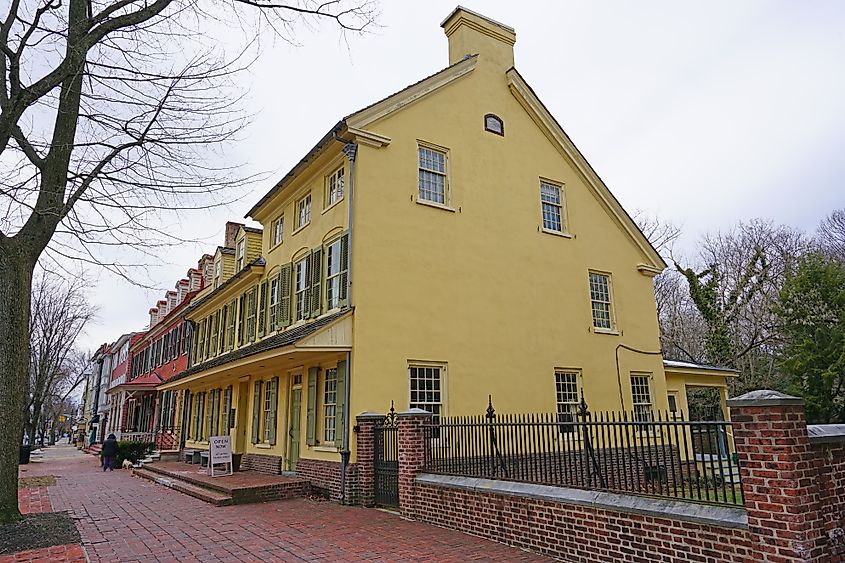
811	315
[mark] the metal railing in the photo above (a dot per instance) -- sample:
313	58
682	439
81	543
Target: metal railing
643	453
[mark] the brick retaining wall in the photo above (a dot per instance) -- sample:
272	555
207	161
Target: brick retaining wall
262	463
583	533
324	477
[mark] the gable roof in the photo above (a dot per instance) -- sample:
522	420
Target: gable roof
653	263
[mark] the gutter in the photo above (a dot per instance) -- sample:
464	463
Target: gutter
351	151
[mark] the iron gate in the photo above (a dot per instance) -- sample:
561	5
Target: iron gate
386	462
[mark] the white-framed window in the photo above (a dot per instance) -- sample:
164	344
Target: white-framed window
301	289
641	396
277	231
218	271
334	187
303	211
551	200
600	301
427	384
334	269
269	409
274	302
567	388
329	405
239	254
432	175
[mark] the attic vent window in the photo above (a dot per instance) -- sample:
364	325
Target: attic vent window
494	124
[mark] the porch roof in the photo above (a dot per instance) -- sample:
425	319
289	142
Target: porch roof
285	339
146	382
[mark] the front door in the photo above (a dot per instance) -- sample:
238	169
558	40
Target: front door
294	430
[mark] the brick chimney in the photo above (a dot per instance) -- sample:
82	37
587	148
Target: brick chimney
231	233
470	33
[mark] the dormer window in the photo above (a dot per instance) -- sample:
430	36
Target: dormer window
239	255
494	124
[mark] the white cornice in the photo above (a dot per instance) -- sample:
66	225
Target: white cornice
550	127
409	95
369	138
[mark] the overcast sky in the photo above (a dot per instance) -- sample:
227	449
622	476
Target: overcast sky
703	113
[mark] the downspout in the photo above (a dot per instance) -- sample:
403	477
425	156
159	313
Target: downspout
351	150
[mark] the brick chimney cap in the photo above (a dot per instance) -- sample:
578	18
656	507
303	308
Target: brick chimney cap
764	398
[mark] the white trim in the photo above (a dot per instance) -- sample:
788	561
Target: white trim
434	204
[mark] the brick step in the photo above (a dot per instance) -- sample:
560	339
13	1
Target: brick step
204	494
187	478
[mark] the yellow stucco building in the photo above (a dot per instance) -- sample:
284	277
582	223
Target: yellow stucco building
446	243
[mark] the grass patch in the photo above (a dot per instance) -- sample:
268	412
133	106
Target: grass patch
31	482
37	531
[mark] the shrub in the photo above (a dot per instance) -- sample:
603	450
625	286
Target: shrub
133	451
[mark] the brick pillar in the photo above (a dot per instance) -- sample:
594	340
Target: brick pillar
779	475
365	455
412	454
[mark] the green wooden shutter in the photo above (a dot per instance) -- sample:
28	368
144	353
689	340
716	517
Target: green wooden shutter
284	295
344	269
274	402
316	268
341	404
252	305
233	316
311	414
256	412
241	319
212	407
273	310
224	411
187	409
262	309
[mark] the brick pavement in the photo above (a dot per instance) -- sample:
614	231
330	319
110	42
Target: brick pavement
122	518
34	500
72	553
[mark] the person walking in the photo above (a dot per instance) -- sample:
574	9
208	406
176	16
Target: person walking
109	452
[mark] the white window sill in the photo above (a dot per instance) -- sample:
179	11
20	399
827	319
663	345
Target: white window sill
275	246
335	204
611	331
298	229
556	233
331	449
435	205
263	446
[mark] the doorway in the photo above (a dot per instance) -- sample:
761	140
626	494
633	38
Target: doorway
295	420
241	420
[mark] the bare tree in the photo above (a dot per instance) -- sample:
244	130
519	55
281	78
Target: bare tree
831	235
113	113
734	287
60	312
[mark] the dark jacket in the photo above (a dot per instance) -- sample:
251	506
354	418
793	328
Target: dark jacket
109	448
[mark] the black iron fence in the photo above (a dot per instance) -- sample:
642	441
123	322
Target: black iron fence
645	453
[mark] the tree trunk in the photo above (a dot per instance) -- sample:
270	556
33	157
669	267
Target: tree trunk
15	287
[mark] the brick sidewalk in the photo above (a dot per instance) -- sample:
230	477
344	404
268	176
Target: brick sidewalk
34	500
58	553
122	518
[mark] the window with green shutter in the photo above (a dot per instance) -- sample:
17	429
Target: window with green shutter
256	413
213	412
213	325
241	319
224	313
233	315
340	409
262	309
201	342
273	311
311	411
225	409
283	318
344	273
251	313
271	411
316	280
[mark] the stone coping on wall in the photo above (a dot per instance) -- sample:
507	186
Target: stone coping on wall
724	516
826	433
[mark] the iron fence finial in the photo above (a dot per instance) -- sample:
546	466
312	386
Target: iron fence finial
491	412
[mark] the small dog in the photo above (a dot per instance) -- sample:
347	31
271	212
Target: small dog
127	464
